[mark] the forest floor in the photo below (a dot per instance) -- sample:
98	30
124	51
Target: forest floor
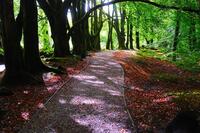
89	101
157	90
92	101
27	99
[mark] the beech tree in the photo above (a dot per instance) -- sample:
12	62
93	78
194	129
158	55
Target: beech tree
32	59
11	36
20	61
109	43
56	11
86	28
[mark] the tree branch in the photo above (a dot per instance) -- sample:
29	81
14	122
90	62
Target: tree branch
167	7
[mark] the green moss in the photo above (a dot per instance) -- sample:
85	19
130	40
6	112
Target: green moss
187	100
192	80
165	77
189	61
69	60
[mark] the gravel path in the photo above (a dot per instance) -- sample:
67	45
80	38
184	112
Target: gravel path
92	102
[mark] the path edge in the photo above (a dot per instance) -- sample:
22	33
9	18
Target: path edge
124	99
53	95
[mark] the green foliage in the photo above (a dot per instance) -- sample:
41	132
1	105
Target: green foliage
44	35
69	60
189	61
16	7
153	24
185	59
187	100
165	77
1	51
153	53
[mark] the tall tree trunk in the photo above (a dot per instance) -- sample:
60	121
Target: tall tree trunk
84	28
128	33
32	59
192	35
96	26
122	34
147	41
59	34
176	35
11	35
1	34
137	34
80	32
110	30
89	43
131	36
58	21
119	30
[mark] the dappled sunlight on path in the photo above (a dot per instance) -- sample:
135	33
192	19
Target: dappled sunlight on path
91	101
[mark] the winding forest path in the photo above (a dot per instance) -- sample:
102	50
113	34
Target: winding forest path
91	101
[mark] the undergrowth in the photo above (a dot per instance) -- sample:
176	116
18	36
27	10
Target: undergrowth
189	61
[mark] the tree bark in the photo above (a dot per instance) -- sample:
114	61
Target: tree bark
80	32
192	35
11	43
128	33
32	59
131	36
176	35
137	34
122	34
119	30
59	25
97	25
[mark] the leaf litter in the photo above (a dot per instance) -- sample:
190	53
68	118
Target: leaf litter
157	90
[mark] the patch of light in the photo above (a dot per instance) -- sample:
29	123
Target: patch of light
40	105
99	123
62	101
112	63
113	93
51	130
106	8
96	66
113	114
2	67
136	88
85	100
25	115
50	77
94	82
83	77
162	100
51	89
89	84
98	71
26	92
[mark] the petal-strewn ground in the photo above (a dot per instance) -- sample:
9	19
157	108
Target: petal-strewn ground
157	90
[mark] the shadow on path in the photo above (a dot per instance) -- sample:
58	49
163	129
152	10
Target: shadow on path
91	102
